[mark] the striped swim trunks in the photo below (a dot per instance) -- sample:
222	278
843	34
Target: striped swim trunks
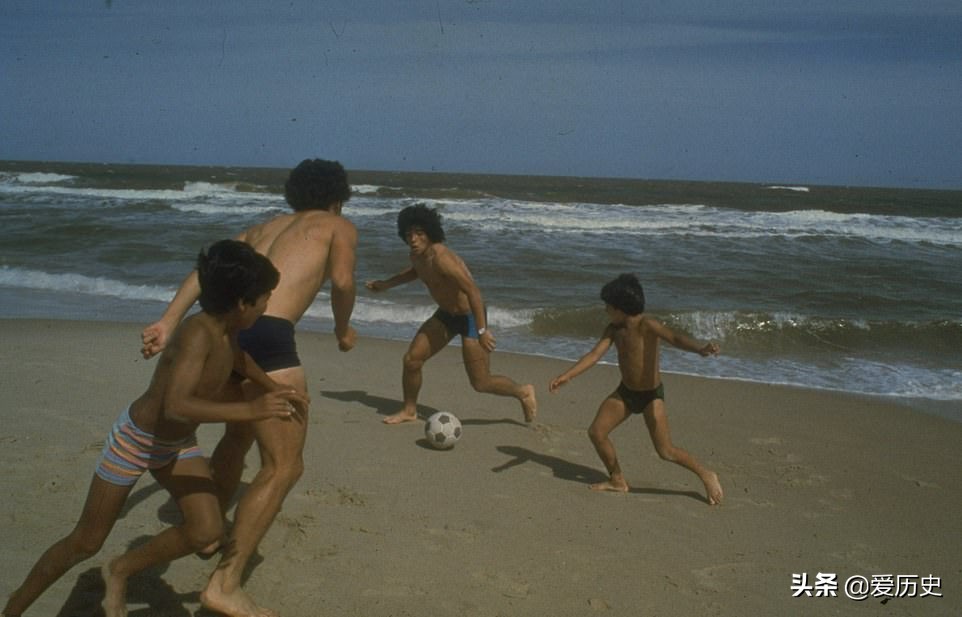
129	452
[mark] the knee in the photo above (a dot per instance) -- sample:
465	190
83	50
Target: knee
412	363
596	434
667	453
479	384
285	472
201	534
84	545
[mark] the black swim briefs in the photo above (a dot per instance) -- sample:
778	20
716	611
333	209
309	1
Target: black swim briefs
270	342
638	400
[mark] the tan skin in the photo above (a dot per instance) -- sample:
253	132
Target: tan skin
187	388
451	285
308	248
636	339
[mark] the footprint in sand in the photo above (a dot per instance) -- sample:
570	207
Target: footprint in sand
725	575
508	586
336	495
921	483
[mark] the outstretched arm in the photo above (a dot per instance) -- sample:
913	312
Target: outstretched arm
586	362
681	341
404	276
155	336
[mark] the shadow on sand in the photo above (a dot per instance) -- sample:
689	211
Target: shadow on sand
573	472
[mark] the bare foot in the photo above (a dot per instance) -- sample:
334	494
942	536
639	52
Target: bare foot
401	417
115	594
617	486
713	488
529	403
236	604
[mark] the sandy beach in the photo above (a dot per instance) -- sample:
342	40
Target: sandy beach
504	524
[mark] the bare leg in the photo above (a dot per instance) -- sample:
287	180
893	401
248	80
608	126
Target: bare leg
227	460
477	362
104	501
227	464
611	413
431	338
281	445
657	423
189	482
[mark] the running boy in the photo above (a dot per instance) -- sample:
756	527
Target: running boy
636	336
157	431
460	312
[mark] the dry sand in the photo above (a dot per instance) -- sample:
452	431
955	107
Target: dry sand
503	524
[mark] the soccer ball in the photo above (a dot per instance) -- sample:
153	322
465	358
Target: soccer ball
442	430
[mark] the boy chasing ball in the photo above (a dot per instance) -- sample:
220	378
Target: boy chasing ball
636	337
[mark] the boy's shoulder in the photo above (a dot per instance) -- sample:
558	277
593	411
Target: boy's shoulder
199	325
648	324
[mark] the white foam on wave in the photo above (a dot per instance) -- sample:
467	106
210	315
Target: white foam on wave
369	189
191	191
82	284
797	189
42	178
376	311
227	208
697	221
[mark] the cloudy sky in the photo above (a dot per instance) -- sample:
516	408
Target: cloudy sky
819	92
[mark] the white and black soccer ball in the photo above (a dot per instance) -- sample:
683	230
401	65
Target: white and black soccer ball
442	430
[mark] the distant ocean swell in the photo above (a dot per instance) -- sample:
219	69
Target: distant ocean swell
858	290
497	214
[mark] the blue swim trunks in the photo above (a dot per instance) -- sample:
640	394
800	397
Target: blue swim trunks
129	452
464	325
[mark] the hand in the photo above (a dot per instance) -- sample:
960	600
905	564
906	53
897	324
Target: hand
376	286
154	339
347	340
557	382
711	349
286	404
487	341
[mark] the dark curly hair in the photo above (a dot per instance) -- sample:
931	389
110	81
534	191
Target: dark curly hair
316	184
230	271
625	294
419	215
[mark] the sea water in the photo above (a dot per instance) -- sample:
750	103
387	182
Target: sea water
841	288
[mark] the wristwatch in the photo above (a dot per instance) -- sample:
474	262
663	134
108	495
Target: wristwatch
482	331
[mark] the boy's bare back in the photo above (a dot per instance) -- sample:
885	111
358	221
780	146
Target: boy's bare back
308	247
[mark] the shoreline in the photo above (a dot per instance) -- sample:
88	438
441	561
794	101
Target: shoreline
503	524
946	409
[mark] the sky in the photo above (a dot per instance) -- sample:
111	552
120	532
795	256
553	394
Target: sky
842	92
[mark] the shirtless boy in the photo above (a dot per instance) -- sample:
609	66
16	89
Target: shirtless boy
308	246
460	312
157	431
636	337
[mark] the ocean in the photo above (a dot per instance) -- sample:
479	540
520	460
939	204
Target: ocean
849	289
